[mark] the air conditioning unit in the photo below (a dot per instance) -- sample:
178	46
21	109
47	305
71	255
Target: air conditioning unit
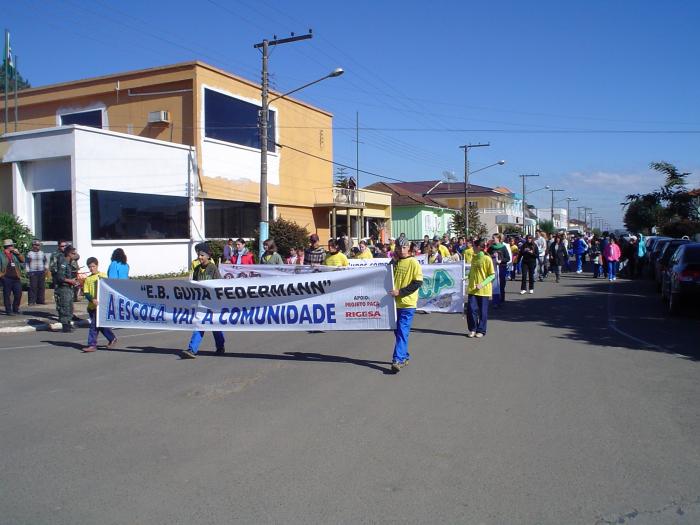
159	117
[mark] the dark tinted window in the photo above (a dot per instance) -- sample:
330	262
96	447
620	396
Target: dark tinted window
233	120
224	219
670	249
53	212
120	215
84	118
691	254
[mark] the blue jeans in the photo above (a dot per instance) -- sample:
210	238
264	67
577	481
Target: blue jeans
477	313
502	275
579	262
404	319
612	268
12	287
597	270
197	340
93	331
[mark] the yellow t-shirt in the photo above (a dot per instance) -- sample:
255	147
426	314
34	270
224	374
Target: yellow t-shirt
405	272
482	267
365	255
468	255
336	259
444	251
90	287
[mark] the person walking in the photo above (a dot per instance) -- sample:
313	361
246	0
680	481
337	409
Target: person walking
580	248
541	243
364	252
11	272
335	257
37	265
118	267
90	288
65	281
596	258
503	257
529	254
229	248
408	278
479	290
612	256
314	254
270	256
206	271
513	246
241	255
558	256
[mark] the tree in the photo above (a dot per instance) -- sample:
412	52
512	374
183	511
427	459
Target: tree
476	227
671	203
12	227
547	226
512	230
22	83
287	236
642	215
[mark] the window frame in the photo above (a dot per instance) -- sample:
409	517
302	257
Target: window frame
103	116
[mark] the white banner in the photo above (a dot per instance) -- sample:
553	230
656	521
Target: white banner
442	290
344	300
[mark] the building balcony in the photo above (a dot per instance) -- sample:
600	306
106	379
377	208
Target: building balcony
340	198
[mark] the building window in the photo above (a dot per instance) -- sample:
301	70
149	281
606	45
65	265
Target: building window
53	215
233	120
119	215
473	204
231	219
83	118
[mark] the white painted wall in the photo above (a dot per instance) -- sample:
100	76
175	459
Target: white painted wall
104	160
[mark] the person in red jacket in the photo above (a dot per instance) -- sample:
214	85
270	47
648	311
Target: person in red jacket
612	256
241	255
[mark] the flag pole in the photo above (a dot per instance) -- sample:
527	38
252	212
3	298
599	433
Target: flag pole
15	75
7	67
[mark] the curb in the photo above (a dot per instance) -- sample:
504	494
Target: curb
42	327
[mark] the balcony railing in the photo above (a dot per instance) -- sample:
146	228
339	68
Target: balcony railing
342	197
508	210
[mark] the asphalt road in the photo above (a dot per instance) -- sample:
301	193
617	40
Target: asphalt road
580	406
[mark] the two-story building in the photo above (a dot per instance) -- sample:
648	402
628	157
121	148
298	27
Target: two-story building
157	159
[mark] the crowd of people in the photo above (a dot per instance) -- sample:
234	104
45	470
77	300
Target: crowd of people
491	262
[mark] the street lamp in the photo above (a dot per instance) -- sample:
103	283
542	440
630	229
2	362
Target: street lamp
551	209
264	110
499	163
569	200
524	176
466	149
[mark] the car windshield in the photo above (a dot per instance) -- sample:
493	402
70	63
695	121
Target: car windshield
691	255
670	249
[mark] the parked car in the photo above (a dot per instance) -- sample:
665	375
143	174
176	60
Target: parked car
681	280
664	257
656	248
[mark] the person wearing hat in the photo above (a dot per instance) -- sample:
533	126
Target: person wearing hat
408	278
206	270
314	254
65	280
10	271
37	267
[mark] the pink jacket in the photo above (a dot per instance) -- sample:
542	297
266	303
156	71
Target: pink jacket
612	252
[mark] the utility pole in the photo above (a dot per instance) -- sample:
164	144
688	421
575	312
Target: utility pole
569	200
524	193
585	216
466	149
551	208
264	46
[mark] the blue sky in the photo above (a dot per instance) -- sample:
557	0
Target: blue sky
584	93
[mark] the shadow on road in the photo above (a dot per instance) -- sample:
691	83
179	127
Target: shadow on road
287	356
596	311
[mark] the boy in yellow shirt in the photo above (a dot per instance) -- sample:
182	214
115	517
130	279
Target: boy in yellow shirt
479	290
90	293
334	256
408	278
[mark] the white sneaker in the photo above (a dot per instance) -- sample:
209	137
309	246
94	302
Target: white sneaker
532	291
479	334
579	271
471	334
522	292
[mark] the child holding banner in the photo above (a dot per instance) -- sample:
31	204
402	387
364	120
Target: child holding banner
481	274
90	293
408	278
205	271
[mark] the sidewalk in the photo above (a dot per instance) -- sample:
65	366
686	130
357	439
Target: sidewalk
40	317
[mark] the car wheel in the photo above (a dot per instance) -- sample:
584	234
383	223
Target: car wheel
674	303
